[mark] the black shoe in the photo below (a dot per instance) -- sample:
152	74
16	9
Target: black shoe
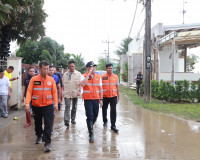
38	140
114	129
67	125
47	147
73	122
105	124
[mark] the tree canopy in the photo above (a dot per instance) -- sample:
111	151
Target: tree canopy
25	17
45	49
191	61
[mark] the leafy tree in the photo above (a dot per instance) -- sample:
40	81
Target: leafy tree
46	56
125	73
29	52
123	48
80	64
25	17
101	64
32	52
191	61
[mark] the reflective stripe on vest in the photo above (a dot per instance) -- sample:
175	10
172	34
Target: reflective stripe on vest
34	97
86	92
40	89
91	89
109	84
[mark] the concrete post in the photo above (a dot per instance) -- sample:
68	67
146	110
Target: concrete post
15	98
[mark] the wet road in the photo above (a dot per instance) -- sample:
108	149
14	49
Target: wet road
142	135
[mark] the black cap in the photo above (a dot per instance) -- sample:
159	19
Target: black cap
1	70
90	64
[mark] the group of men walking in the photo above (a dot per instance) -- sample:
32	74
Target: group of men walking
43	94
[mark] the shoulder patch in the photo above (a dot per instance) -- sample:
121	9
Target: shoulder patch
37	82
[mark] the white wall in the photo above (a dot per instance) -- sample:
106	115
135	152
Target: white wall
166	60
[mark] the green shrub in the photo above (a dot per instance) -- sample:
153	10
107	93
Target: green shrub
185	93
193	91
154	88
178	89
172	93
198	90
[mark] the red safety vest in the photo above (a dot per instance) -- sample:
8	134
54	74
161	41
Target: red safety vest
92	88
109	85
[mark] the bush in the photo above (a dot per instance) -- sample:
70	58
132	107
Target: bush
193	91
185	92
178	89
172	93
198	90
154	88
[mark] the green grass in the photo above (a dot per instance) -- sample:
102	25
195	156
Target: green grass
185	110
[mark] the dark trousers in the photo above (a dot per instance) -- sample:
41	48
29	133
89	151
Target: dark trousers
47	113
139	88
113	113
91	110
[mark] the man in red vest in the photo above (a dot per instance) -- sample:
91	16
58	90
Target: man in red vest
42	91
110	84
92	95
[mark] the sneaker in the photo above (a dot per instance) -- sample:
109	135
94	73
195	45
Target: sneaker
105	124
73	122
47	147
114	129
38	140
5	116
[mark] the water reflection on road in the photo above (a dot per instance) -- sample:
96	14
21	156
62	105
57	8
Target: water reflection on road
143	134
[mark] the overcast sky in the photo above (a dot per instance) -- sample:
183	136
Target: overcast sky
82	25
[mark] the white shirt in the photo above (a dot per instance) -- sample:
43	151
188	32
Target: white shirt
4	84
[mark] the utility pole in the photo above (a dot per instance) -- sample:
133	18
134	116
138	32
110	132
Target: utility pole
184	11
108	42
147	51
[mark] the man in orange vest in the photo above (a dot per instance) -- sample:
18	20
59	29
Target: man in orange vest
92	95
110	84
42	91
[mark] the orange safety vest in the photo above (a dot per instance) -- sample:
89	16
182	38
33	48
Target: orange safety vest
109	85
42	92
92	88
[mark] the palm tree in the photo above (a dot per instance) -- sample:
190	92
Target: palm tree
79	60
123	48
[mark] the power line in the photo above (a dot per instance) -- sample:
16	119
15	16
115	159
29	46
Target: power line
133	19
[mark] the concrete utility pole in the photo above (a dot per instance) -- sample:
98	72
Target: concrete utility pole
173	56
147	51
108	42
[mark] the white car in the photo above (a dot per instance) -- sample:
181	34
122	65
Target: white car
101	72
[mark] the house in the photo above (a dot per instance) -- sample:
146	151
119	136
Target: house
166	64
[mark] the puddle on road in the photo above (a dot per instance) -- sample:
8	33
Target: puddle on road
143	134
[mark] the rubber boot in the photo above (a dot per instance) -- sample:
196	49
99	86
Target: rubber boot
91	132
28	119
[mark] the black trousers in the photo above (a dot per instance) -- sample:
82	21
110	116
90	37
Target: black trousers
46	113
113	113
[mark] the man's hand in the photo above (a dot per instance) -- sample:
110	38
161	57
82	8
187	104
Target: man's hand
56	109
117	99
101	103
27	108
91	70
78	93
